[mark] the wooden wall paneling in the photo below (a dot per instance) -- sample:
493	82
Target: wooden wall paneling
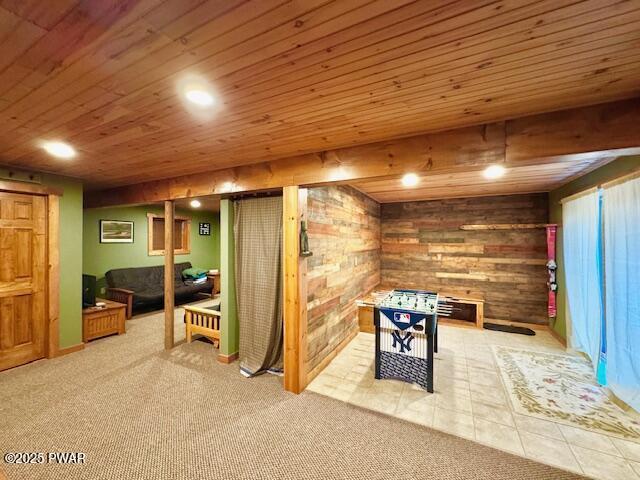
451	152
294	312
424	246
303	313
53	276
344	236
169	212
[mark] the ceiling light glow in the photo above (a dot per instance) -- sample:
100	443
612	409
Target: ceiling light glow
59	149
199	97
494	171
195	203
410	180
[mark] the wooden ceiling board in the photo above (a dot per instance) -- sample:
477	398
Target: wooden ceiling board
599	131
292	77
209	203
517	180
142	140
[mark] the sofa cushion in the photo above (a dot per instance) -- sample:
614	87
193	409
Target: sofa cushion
147	283
135	278
143	278
148	297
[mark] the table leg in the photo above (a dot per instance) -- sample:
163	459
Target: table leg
376	322
430	363
435	347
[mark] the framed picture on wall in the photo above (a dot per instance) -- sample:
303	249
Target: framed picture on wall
116	231
205	229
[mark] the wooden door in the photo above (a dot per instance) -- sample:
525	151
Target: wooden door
23	272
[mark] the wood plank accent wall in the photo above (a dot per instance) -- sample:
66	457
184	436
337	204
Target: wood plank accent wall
423	246
344	236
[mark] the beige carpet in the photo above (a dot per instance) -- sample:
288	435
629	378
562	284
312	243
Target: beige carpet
140	413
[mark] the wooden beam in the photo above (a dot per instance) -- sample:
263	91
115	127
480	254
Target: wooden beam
169	213
600	130
294	292
570	135
33	188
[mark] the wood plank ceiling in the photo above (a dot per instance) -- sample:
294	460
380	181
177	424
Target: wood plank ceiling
524	179
209	203
290	77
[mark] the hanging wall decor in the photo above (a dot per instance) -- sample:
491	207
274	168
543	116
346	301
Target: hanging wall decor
551	269
304	240
116	231
205	229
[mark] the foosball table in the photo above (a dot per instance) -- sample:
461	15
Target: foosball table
406	329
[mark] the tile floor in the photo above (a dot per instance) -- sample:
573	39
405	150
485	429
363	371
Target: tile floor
470	401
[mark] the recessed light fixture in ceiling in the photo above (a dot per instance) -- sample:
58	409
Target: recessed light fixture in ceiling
410	180
494	171
59	149
195	203
199	96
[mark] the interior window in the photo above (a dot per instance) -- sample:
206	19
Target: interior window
181	235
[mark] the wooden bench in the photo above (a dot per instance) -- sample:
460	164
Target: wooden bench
466	311
202	321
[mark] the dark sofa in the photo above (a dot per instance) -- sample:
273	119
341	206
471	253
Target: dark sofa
143	287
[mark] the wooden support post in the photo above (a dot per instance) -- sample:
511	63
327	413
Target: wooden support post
169	211
294	293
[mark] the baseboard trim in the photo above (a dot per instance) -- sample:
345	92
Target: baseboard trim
67	350
327	360
222	358
558	337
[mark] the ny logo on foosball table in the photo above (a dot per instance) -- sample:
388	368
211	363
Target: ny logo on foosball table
404	342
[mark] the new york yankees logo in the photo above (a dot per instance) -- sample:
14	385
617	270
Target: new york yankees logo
403	342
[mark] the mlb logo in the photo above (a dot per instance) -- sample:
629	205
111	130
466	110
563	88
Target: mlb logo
402	317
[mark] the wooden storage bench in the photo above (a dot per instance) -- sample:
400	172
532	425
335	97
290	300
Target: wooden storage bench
466	311
100	322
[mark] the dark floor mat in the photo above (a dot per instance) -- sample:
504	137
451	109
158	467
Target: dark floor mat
509	329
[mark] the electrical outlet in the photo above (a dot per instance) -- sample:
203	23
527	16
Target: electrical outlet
103	291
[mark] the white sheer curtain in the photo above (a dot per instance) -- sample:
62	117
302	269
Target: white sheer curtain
581	228
622	289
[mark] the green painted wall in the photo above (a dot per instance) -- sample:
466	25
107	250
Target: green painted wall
617	168
99	257
70	323
230	337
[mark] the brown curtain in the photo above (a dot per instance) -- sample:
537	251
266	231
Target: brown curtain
258	261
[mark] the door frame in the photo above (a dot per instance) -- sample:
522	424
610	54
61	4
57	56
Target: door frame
52	276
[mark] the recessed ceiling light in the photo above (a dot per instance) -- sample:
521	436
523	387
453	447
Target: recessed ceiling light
59	149
195	203
199	96
494	171
410	180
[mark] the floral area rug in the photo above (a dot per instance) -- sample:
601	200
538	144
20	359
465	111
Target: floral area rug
562	388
